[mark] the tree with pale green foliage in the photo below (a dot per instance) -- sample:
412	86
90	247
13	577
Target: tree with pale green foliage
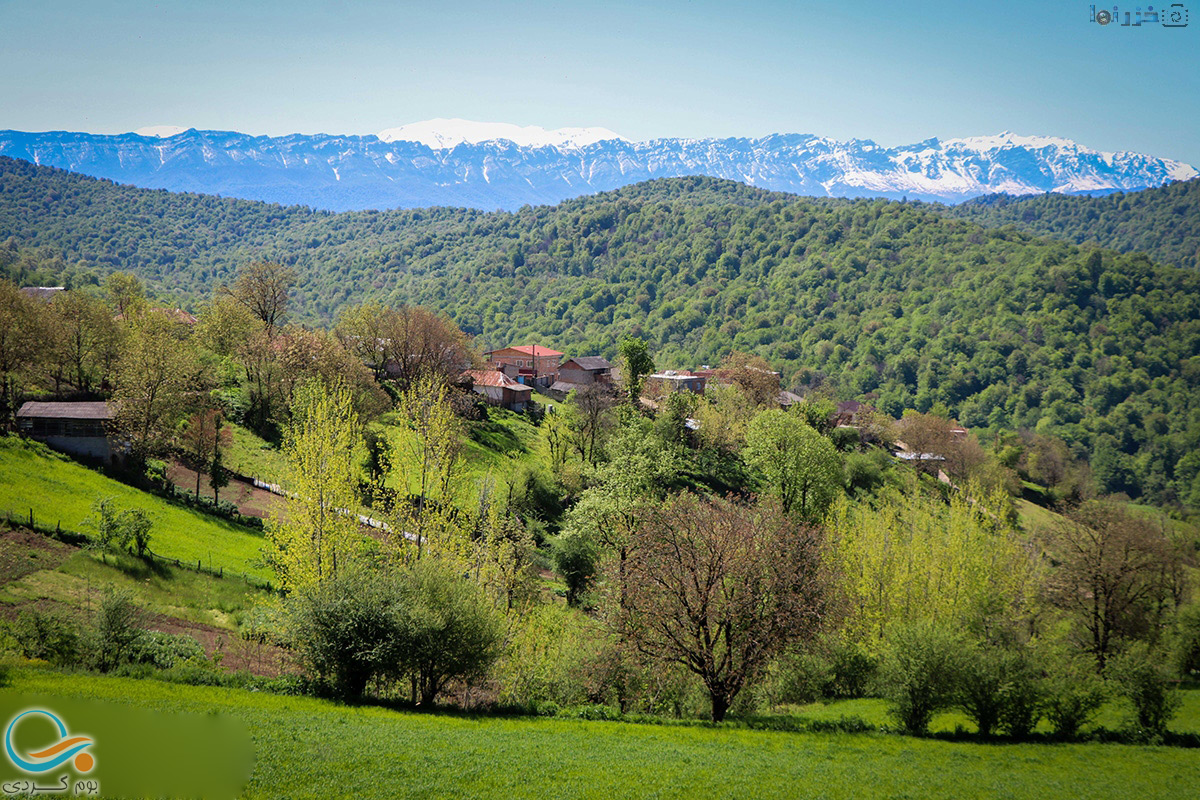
797	464
910	557
318	529
430	468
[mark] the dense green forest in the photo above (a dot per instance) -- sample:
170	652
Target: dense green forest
1159	222
891	301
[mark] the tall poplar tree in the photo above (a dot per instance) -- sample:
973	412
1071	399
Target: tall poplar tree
322	445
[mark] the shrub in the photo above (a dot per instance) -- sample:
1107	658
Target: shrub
1020	697
347	632
852	668
546	658
426	622
843	724
449	629
919	673
1142	680
166	650
980	692
845	439
126	528
1187	641
1072	693
575	556
118	631
47	637
797	677
156	474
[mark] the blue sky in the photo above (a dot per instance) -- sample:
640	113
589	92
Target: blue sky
894	72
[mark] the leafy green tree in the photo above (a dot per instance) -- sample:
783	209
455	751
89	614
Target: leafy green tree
127	528
448	629
118	631
126	294
636	363
82	340
910	556
640	470
158	376
799	466
347	630
430	467
21	342
575	557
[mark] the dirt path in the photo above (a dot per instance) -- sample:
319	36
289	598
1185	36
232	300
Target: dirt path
250	500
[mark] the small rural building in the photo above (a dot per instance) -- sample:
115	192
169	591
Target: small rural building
499	389
583	370
174	314
43	293
673	381
80	429
529	364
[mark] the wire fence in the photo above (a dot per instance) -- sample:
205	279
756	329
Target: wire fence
28	519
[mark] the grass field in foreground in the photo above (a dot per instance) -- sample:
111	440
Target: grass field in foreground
312	748
61	491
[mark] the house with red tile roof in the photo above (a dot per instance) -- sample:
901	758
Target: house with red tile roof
530	364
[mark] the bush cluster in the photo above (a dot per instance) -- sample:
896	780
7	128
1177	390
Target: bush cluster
1010	688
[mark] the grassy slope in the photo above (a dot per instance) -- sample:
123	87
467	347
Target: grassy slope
61	491
311	748
493	447
253	456
183	594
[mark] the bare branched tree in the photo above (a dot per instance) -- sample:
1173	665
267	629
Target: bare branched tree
720	588
262	287
1115	570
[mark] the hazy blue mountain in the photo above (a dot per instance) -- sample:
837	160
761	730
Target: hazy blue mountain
450	163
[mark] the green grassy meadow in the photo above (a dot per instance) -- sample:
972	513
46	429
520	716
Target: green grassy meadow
251	455
491	448
314	748
59	491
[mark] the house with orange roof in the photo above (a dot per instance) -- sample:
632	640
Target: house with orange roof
530	364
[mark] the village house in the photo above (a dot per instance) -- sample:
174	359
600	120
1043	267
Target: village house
529	364
43	293
676	381
584	370
499	389
79	429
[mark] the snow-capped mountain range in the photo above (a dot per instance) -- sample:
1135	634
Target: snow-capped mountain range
498	165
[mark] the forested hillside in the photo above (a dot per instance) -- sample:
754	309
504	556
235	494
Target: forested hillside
888	300
1159	222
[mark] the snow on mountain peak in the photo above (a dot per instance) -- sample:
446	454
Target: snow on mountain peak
1010	139
443	134
161	131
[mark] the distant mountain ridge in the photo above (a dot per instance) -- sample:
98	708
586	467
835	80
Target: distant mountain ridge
453	163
